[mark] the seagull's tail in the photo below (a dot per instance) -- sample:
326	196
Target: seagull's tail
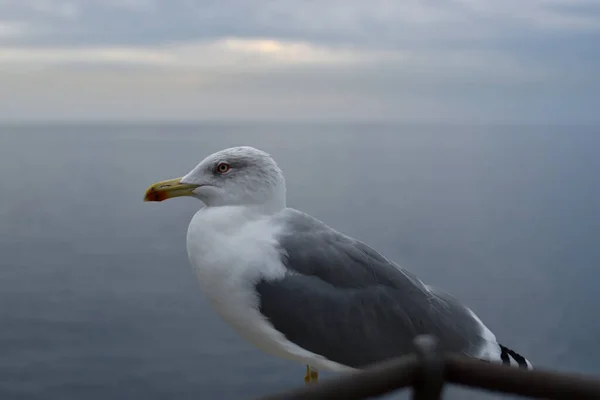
511	357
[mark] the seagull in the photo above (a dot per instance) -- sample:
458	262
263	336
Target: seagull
298	289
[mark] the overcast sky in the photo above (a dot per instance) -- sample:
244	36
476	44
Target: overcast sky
447	60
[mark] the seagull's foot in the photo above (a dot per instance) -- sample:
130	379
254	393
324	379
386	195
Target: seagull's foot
312	375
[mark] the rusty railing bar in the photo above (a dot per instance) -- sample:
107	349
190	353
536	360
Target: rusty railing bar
535	383
429	379
426	372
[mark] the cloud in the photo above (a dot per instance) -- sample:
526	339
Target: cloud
222	53
61	9
12	30
459	59
377	23
546	15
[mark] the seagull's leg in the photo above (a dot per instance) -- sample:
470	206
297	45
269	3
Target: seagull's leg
312	375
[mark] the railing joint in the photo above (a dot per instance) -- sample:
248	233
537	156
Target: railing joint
429	380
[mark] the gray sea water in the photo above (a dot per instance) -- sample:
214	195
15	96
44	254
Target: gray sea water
98	301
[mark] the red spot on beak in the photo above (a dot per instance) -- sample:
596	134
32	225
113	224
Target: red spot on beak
155	195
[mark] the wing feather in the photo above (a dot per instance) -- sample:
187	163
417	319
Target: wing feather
345	301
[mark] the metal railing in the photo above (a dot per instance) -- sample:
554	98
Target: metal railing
427	370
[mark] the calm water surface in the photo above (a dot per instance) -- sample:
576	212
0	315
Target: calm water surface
98	299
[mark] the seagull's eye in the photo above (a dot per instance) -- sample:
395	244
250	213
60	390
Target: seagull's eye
223	168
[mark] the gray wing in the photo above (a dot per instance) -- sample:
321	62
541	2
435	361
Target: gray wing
343	300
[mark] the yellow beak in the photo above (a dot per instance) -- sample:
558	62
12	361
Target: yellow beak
169	189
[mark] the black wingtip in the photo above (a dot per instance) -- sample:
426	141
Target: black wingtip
506	354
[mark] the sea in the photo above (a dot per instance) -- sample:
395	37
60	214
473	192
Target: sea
98	299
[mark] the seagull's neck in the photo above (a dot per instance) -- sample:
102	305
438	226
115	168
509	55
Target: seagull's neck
270	207
265	206
270	202
238	215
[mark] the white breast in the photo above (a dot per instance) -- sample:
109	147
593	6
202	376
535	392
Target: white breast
230	249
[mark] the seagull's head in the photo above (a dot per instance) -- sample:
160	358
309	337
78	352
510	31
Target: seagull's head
236	176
